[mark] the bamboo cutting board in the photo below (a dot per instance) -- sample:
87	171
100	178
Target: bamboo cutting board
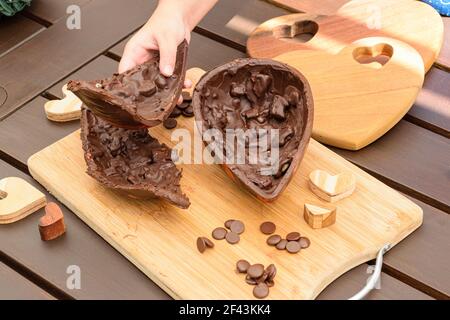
160	239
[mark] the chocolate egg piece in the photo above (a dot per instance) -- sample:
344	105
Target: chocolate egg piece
140	97
253	95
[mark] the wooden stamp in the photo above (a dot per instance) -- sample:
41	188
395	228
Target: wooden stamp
193	74
319	216
67	109
51	226
18	199
332	188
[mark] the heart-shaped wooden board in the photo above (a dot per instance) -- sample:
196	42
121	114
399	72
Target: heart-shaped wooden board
360	92
412	22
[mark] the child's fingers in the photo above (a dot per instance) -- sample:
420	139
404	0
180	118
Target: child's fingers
127	61
168	55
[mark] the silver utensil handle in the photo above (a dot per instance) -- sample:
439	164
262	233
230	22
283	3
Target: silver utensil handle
375	277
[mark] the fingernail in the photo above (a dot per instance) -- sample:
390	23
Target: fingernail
168	70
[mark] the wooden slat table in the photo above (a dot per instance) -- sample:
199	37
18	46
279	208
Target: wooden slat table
413	158
16	287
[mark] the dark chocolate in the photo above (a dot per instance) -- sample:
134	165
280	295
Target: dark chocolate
131	161
140	97
258	94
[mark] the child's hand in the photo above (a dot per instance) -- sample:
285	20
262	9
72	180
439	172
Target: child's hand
170	24
165	30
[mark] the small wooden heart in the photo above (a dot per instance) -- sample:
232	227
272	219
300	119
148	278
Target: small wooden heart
319	216
332	188
51	226
18	199
67	109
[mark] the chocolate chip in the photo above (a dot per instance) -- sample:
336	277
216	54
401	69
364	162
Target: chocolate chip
271	272
250	280
219	233
237	227
228	223
273	240
175	113
261	291
304	242
293	236
184	105
282	244
170	123
267	227
263	278
186	96
270	283
208	242
255	271
232	237
201	245
242	266
293	247
188	112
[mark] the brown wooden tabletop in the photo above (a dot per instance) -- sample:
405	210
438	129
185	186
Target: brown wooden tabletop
38	54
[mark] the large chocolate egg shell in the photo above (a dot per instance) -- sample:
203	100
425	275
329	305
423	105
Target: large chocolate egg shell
140	97
258	94
130	161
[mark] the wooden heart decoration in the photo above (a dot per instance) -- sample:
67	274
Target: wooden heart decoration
355	102
322	7
67	109
18	199
51	225
319	216
332	187
248	95
412	22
